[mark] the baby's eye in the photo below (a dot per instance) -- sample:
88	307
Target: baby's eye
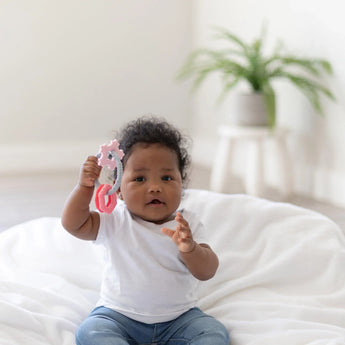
166	178
139	179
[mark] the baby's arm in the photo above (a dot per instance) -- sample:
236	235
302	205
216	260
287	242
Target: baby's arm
76	217
199	258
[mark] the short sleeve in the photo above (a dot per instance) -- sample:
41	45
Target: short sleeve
110	223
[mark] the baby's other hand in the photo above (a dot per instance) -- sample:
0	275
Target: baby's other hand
90	172
182	235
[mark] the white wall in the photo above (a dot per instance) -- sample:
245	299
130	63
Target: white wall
313	28
74	70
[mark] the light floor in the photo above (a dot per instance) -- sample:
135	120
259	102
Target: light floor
28	197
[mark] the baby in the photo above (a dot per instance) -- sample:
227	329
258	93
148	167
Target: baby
156	253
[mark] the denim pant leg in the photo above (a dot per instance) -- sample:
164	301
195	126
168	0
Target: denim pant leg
103	327
107	327
194	328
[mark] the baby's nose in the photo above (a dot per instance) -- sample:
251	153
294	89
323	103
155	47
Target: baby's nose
154	188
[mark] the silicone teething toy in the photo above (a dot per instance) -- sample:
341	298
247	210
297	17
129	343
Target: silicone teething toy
108	152
100	199
110	156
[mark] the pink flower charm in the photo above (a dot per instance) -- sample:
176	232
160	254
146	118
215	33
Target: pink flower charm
106	154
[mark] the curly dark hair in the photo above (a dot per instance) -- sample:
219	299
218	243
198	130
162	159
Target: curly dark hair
151	130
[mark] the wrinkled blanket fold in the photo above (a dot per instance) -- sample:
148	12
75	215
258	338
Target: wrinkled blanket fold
281	278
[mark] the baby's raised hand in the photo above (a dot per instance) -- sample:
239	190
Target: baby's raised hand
182	235
90	172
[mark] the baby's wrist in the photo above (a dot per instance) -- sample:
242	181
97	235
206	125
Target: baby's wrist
192	250
85	186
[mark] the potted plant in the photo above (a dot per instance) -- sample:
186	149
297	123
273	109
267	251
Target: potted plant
243	61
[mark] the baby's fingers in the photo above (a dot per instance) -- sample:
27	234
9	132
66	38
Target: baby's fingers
181	221
168	232
90	171
92	163
183	226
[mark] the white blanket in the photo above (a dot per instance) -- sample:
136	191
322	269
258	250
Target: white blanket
281	279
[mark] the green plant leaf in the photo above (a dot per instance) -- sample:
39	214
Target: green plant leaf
310	89
224	34
228	85
270	102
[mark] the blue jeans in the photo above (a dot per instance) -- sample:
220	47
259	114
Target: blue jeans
108	327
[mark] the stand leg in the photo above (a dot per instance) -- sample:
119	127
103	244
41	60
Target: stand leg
254	173
284	167
220	166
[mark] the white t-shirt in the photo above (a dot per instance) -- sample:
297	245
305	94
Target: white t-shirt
145	277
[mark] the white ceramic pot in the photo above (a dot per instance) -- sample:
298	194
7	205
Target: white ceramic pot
248	110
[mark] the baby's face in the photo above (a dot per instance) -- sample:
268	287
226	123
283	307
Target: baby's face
151	184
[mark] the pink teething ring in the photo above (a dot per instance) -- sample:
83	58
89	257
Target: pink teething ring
100	196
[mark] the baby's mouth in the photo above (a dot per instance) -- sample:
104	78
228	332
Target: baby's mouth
155	202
